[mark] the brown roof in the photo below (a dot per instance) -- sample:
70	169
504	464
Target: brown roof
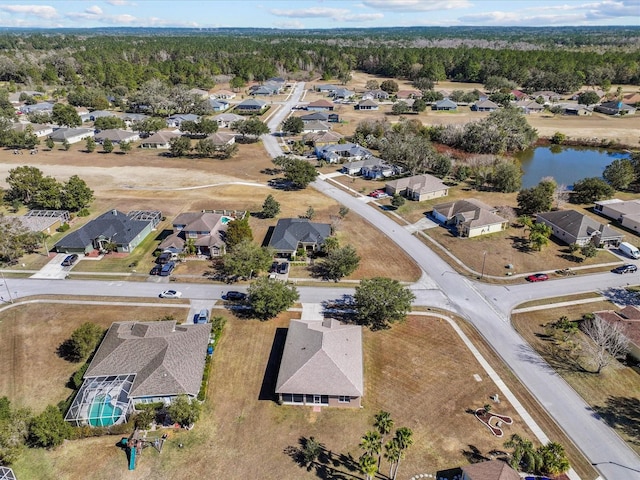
168	359
491	470
629	316
321	103
418	183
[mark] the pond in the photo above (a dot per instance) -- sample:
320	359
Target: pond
565	164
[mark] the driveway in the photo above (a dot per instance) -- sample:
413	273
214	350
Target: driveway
54	270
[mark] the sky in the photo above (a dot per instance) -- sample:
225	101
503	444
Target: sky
296	14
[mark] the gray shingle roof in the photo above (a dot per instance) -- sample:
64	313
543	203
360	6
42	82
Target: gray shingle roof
291	231
322	357
424	183
168	359
491	470
251	103
577	224
323	117
160	138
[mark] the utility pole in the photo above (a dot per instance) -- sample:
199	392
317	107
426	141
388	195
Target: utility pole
484	259
7	287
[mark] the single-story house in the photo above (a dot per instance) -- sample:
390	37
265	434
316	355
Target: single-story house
291	234
117	136
96	114
45	221
161	139
225	120
206	229
445	104
631	99
125	231
71	135
222	139
571	226
625	212
251	105
326	88
485	106
42	107
518	95
198	92
321	364
375	95
366	105
321	139
38	129
529	106
316	126
355	167
615	108
579	110
267	89
320	105
315	117
600	93
418	187
547	96
628	316
343	93
218	105
381	170
471	217
139	363
334	153
407	94
489	470
176	120
224	94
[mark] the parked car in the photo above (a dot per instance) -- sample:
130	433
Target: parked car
171	294
235	296
163	258
538	277
167	268
69	260
274	267
283	268
202	316
629	268
155	270
378	194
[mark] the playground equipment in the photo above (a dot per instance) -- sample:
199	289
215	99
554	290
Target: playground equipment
135	444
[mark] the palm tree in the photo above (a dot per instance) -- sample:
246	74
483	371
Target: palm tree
553	458
404	439
371	443
368	465
524	456
384	423
392	454
310	451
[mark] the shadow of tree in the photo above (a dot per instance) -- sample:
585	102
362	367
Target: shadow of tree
66	350
622	413
621	296
521	244
474	455
328	465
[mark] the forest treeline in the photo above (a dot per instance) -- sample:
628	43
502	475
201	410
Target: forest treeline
536	59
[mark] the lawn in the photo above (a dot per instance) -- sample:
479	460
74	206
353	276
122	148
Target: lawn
243	433
614	393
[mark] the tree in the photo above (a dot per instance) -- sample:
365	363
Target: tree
205	148
392	454
310	213
588	98
553	459
372	85
423	83
48	429
536	199
389	86
184	411
15	239
179	146
524	456
237	83
50	143
506	177
419	105
293	126
380	301
371	443
83	341
65	115
76	194
340	262
606	341
590	190
299	173
400	108
49	196
247	258
24	183
589	250
66	145
148	125
252	126
269	297
237	231
270	207
495	84
558	138
14	428
402	440
620	174
90	144
311	450
200	128
384	424
398	200
368	465
343	212
109	123
539	234
125	147
107	146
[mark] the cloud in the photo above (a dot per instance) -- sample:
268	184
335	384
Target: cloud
40	11
416	5
294	24
337	14
517	18
94	10
362	17
119	3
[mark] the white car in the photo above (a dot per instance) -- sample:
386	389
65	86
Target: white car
170	294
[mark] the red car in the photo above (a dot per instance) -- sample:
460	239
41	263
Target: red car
538	277
378	194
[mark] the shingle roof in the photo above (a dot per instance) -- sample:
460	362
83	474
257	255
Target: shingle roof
451	209
323	117
418	183
316	126
291	231
221	138
64	133
577	224
168	359
629	316
228	117
486	104
160	138
115	135
321	103
491	470
446	103
367	103
323	137
251	103
113	224
322	357
198	221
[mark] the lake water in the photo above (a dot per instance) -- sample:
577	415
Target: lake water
565	164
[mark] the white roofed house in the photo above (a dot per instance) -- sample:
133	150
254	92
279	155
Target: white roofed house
39	130
625	212
348	151
71	135
176	120
116	136
571	226
222	139
321	365
218	105
224	120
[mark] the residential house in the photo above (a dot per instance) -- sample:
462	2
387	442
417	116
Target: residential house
315	126
627	213
320	105
381	170
125	231
375	95
225	120
571	226
224	95
315	117
251	105
116	136
96	114
355	167
199	93
615	108
444	104
44	221
470	217
321	364
291	234
139	363
14	98
205	229
39	130
600	93
222	139
264	90
529	106
629	317
547	96
418	187
321	139
218	105
519	96
41	107
632	99
71	135
343	93
489	470
129	118
579	110
407	94
485	106
161	140
348	151
326	88
176	120
366	105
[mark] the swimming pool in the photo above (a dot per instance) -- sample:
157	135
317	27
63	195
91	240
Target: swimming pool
102	413
226	220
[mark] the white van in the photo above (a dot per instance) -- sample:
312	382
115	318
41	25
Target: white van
629	250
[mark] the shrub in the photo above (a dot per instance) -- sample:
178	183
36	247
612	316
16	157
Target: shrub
63	228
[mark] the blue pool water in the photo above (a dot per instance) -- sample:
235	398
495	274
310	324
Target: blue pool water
226	220
102	413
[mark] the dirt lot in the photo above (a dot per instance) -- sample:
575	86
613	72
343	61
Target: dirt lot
244	434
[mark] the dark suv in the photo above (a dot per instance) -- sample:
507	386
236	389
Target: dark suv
235	296
629	268
167	268
163	258
70	260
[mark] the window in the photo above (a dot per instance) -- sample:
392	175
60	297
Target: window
344	399
192	234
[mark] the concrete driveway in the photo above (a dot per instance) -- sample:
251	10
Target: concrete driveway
54	270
